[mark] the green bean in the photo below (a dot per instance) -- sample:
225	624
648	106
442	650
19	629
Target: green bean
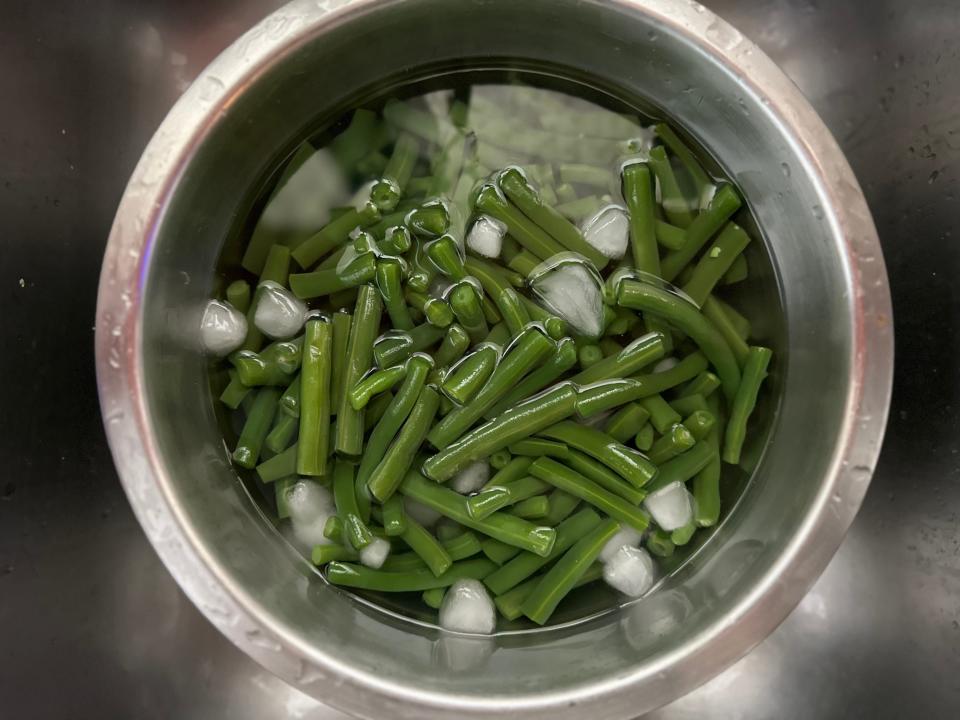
389	274
754	372
491	499
660	544
638	193
589	355
523	262
639	353
235	391
627	463
459	547
576	484
279	466
531	347
683	153
398	459
715	262
433	598
334	233
581	174
290	400
256	427
499	552
609	346
647	298
387	191
396	240
623	322
342	322
533	508
446	255
525	564
522	195
699	423
314	437
280	489
424	125
520	421
561	578
682	467
275	365
499	335
533	238
681	536
436	311
513	470
671	198
378	382
500	459
511	602
644	438
465	303
343	299
430	220
662	416
706	484
365	325
323	554
723	322
689	404
325	282
393	349
282	433
364	578
394	516
275	269
703	384
535	447
238	295
603	476
426	547
562	504
676	440
364	501
466	379
454	345
500	526
580	208
448	530
333	529
626	422
724	204
354	142
355	532
495	285
670	237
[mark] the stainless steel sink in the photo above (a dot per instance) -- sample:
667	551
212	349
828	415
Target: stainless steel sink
90	621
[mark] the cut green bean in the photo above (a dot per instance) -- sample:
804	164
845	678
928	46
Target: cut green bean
235	391
676	440
378	382
433	598
256	428
515	423
398	459
342	322
644	438
703	384
682	467
738	271
238	295
314	438
389	274
500	459
510	604
626	422
686	318
466	379
706	484
282	433
533	508
724	204
627	463
325	282
660	544
531	348
279	466
638	193
699	423
464	545
365	326
436	311
430	220
387	191
447	256
684	155
589	355
364	578
603	476
725	325
355	532
715	262
525	564
638	354
491	499
562	359
532	237
275	365
465	303
394	349
535	447
455	343
394	516
290	400
334	233
323	554
500	526
333	529
513	470
670	237
671	197
562	577
582	174
523	196
576	484
427	547
754	372
498	551
662	416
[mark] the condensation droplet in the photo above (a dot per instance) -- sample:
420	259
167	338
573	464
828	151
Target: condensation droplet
785	168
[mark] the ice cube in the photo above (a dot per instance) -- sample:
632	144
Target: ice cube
573	290
670	507
626	536
629	570
471	478
486	236
279	314
608	231
468	608
374	554
223	328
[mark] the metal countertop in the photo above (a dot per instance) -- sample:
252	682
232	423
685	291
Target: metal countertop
91	625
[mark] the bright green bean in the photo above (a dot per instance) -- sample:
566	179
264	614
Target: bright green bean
279	466
533	238
662	416
626	422
715	262
533	508
535	447
464	300
699	423
499	552
724	204
466	379
342	322
682	467
676	440
754	372
282	433
316	370
323	554
398	459
671	198
235	391
627	463
491	499
639	353
703	384
603	476
510	604
427	547
377	382
389	274
365	326
562	359
256	428
638	193
576	484
500	459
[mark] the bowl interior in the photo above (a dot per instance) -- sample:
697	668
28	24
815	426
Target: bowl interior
798	292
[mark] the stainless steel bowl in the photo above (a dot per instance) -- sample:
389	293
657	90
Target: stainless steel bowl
197	177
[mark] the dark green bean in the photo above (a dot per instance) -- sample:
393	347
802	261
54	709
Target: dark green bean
465	302
660	544
491	499
342	322
534	508
627	463
715	262
447	256
455	343
511	602
389	274
378	382
682	467
647	298
754	372
325	282
626	422
282	433
706	483
500	459
603	476
466	379
670	236
433	598
639	353
355	532
256	428
535	447
430	220
394	349
561	578
387	191
638	193
515	423
562	359
334	233
724	204
398	459
662	416
427	547
513	470
723	322
500	526
576	484
314	438
394	516
525	564
738	272
459	547
365	326
676	440
671	197
589	355
533	238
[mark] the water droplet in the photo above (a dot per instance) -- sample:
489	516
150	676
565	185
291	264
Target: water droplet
817	212
785	168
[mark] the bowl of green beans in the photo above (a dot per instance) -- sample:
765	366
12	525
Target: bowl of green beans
470	358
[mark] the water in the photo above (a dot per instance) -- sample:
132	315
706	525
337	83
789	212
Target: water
570	141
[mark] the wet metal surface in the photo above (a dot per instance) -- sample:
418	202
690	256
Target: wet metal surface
90	622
